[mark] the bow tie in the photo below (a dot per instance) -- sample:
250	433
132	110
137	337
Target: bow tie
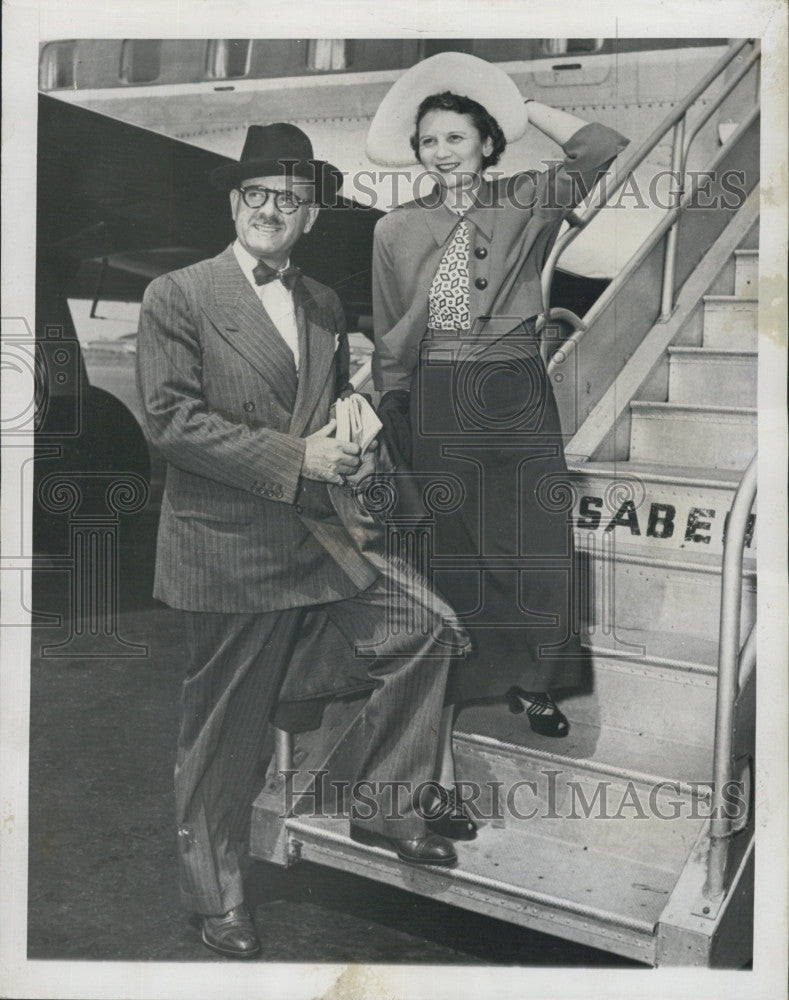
263	274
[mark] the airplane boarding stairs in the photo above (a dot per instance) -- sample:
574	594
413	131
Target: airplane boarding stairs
609	837
650	527
602	837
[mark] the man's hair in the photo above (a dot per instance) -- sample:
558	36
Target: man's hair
482	120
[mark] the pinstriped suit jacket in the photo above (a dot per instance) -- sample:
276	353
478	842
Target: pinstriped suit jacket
239	530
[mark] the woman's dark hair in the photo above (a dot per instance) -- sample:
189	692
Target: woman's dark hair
483	122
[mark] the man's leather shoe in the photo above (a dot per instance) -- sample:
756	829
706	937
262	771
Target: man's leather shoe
232	933
429	849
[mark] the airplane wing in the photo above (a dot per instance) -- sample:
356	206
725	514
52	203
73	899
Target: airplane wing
144	202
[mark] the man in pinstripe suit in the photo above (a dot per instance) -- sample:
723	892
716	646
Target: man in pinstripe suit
239	360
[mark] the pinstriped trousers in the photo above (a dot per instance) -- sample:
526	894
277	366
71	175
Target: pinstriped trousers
236	663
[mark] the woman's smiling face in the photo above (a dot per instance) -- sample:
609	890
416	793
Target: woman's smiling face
451	147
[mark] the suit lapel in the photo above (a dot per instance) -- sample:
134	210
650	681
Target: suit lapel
240	317
316	348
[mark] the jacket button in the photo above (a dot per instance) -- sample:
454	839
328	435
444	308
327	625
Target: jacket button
298	508
278	492
481	283
249	407
481	253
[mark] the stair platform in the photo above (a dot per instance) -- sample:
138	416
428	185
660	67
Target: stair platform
585	895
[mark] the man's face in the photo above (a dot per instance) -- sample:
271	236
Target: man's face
268	232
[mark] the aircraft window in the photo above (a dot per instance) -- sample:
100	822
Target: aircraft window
141	60
327	54
570	46
56	67
228	58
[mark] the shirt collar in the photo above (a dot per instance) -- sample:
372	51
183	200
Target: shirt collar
248	263
442	220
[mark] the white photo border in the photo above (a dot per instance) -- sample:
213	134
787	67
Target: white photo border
25	24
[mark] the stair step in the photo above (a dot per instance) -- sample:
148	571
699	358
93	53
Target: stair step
666	503
647	682
673	650
731	321
579	891
709	375
514	787
660	472
686	434
633	694
599	751
746	273
678	594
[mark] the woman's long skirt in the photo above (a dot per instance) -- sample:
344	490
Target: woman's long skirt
496	505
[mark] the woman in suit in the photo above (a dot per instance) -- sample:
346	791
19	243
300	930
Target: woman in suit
466	402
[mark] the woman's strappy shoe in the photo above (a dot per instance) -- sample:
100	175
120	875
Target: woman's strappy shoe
543	713
449	817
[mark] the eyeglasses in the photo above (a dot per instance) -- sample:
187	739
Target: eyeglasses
285	201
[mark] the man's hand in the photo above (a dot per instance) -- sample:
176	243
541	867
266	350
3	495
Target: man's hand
367	466
327	459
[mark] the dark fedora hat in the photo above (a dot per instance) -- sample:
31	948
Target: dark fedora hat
284	149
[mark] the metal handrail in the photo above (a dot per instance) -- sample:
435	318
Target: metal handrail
668	220
753	58
729	656
675	119
679	161
747	659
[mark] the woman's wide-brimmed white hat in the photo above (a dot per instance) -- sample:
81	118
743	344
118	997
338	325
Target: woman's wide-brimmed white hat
388	141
